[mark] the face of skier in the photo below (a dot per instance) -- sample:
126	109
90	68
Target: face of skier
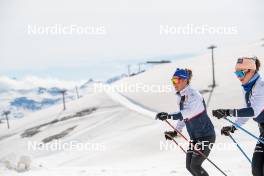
244	75
178	83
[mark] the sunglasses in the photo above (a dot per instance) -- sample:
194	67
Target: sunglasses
175	80
241	73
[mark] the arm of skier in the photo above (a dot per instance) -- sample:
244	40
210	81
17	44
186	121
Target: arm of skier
244	112
256	105
241	113
180	125
250	112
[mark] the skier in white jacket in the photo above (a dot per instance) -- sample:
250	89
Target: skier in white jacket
194	115
247	72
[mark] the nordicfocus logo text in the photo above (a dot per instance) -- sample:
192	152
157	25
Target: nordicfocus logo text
191	29
132	88
169	146
59	29
58	145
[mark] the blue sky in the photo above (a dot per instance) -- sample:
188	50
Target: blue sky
132	33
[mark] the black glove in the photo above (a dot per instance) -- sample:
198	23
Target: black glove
170	134
222	113
162	116
227	129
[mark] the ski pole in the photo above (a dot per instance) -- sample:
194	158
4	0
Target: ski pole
238	146
176	143
190	142
246	131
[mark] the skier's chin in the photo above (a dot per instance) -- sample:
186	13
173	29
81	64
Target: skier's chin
242	80
177	89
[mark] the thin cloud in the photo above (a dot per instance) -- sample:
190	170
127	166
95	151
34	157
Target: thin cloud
30	82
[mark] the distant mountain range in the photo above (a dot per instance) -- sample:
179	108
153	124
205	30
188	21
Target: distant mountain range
30	104
22	101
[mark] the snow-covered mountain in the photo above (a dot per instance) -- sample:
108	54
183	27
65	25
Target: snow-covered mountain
21	101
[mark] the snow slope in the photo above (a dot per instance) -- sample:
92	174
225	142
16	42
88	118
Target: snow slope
123	124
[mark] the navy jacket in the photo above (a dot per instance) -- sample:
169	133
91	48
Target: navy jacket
193	114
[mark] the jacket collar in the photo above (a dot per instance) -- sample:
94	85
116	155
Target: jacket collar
248	86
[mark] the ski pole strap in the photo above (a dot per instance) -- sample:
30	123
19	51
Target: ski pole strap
190	142
246	131
238	146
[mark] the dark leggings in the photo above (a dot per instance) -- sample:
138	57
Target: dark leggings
258	157
194	160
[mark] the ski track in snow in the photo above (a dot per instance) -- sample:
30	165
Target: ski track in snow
133	105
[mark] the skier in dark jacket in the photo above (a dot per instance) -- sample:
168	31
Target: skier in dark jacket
247	72
193	114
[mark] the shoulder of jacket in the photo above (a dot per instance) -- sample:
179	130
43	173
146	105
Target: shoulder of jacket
192	93
259	84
